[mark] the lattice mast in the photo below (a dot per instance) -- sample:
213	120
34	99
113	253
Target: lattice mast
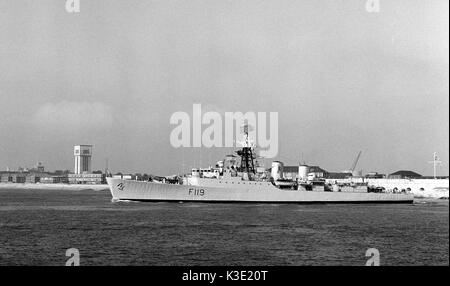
246	153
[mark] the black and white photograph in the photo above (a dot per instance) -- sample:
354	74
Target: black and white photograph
224	139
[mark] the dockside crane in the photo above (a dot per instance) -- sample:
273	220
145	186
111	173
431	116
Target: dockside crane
352	169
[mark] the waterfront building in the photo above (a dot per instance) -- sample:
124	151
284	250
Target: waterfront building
83	157
83	167
87	178
402	174
54	179
375	175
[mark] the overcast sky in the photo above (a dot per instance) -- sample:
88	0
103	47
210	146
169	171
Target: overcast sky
341	79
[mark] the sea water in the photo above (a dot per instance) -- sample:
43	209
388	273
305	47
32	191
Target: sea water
38	226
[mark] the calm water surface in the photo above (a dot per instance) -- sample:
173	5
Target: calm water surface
38	226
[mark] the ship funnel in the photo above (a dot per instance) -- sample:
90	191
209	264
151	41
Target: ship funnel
277	170
303	171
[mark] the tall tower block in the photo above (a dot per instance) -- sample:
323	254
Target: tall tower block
83	156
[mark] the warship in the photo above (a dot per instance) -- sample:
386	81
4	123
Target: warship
237	179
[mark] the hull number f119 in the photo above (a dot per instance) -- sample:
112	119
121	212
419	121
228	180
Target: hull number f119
196	192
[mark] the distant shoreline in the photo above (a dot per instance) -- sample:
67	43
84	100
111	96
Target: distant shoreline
69	187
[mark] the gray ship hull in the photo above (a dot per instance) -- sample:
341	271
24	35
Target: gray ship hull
249	192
